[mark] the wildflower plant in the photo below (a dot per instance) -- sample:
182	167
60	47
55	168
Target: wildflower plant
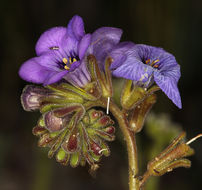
75	71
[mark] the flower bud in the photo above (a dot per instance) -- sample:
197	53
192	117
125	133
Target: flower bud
140	113
172	157
133	95
31	96
75	136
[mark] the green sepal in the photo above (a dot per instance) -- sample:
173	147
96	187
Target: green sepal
89	92
103	78
95	157
133	95
57	143
65	90
61	155
54	134
75	159
138	115
41	122
83	161
172	157
105	148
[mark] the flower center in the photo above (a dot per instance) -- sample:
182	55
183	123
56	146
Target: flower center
154	64
68	62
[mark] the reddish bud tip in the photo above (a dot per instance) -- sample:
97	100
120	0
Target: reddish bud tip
110	130
104	120
71	145
96	148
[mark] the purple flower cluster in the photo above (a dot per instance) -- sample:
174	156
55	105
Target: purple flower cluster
62	54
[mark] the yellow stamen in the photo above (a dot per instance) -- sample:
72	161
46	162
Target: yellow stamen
65	61
154	62
66	67
70	60
74	60
147	61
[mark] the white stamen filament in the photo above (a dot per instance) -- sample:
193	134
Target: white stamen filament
193	139
108	100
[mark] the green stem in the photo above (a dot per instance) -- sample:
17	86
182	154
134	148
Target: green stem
129	138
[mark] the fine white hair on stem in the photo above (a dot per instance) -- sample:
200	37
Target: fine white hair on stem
102	150
108	101
193	139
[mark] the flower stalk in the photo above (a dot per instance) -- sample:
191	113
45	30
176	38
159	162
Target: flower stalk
129	138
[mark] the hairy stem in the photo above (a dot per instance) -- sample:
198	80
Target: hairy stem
129	138
145	177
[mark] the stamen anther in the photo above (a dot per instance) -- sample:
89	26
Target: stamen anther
147	61
74	60
70	60
65	61
156	66
66	67
154	62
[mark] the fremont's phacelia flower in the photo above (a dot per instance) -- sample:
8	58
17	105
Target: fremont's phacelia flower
62	52
146	64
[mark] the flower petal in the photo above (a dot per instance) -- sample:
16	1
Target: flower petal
31	71
132	68
104	33
55	77
102	42
119	53
48	60
50	39
69	46
79	76
169	87
83	45
75	28
167	62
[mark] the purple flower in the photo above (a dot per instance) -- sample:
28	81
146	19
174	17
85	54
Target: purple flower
146	64
103	41
62	52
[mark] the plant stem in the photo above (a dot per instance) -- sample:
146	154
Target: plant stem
129	138
144	178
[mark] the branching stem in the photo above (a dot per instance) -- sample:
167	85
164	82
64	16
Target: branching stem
128	136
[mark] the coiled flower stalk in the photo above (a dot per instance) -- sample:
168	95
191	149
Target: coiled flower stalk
73	134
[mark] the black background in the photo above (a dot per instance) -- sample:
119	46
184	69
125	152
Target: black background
174	25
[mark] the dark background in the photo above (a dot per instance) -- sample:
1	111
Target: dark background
175	25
